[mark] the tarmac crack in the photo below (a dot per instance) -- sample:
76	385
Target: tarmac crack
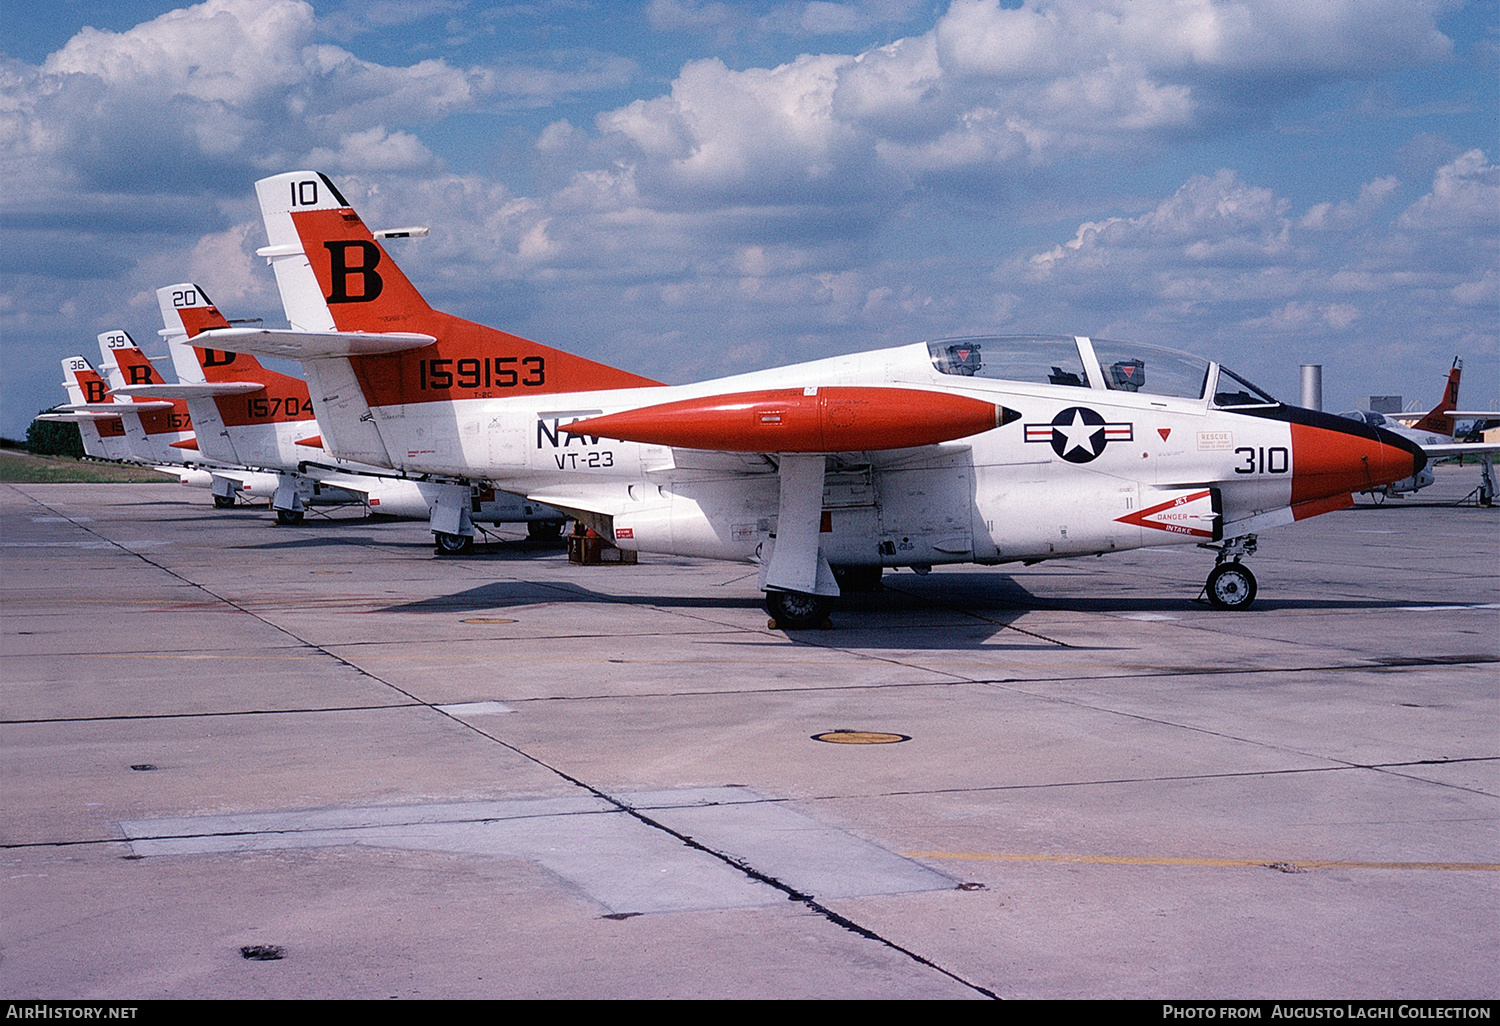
1159	779
807	900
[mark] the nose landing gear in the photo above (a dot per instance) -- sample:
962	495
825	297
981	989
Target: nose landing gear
1231	585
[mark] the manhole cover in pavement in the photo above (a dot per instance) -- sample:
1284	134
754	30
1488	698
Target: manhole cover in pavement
860	737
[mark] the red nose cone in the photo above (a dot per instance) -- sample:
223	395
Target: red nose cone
836	419
1334	460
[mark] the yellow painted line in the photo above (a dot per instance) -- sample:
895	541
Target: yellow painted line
1160	860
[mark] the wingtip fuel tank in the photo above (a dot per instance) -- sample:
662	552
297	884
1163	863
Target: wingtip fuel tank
807	420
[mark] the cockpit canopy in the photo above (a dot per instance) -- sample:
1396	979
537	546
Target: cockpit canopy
1038	359
1369	417
1117	366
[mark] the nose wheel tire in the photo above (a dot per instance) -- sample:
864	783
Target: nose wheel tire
798	611
1231	586
453	544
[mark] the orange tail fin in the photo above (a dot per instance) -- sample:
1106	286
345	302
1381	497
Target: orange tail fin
334	274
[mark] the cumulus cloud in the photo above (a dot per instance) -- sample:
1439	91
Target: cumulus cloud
209	94
1213	222
375	149
994	92
1465	196
1222	264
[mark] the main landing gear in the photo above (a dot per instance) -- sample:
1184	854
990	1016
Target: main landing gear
545	530
452	544
289	516
1231	585
797	610
800	610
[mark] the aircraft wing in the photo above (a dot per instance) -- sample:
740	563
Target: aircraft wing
1455	414
115	409
191	390
309	345
764	463
1448	450
348	482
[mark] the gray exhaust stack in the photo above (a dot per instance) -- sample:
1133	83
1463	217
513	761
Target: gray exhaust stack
1312	386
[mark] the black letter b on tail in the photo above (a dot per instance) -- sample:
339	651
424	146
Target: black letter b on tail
340	271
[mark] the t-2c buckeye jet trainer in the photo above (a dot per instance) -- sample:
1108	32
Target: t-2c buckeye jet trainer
966	450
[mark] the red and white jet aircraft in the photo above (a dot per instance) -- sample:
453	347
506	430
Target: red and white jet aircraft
154	432
1434	432
99	422
985	450
250	416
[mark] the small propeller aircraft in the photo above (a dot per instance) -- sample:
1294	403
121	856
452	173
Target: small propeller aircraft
983	450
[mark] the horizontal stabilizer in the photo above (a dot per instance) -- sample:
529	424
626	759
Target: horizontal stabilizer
115	409
309	345
192	390
75	417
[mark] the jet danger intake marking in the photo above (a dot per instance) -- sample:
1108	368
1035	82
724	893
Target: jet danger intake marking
1078	434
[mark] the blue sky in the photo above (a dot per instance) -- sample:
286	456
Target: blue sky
688	189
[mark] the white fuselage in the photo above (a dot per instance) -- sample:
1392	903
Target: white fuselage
1005	494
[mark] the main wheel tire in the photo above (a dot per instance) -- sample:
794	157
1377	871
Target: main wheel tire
453	544
544	530
1231	586
223	501
798	611
858	578
289	516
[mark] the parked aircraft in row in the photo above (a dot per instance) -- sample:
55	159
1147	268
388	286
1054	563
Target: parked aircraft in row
232	437
1435	432
987	450
249	415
